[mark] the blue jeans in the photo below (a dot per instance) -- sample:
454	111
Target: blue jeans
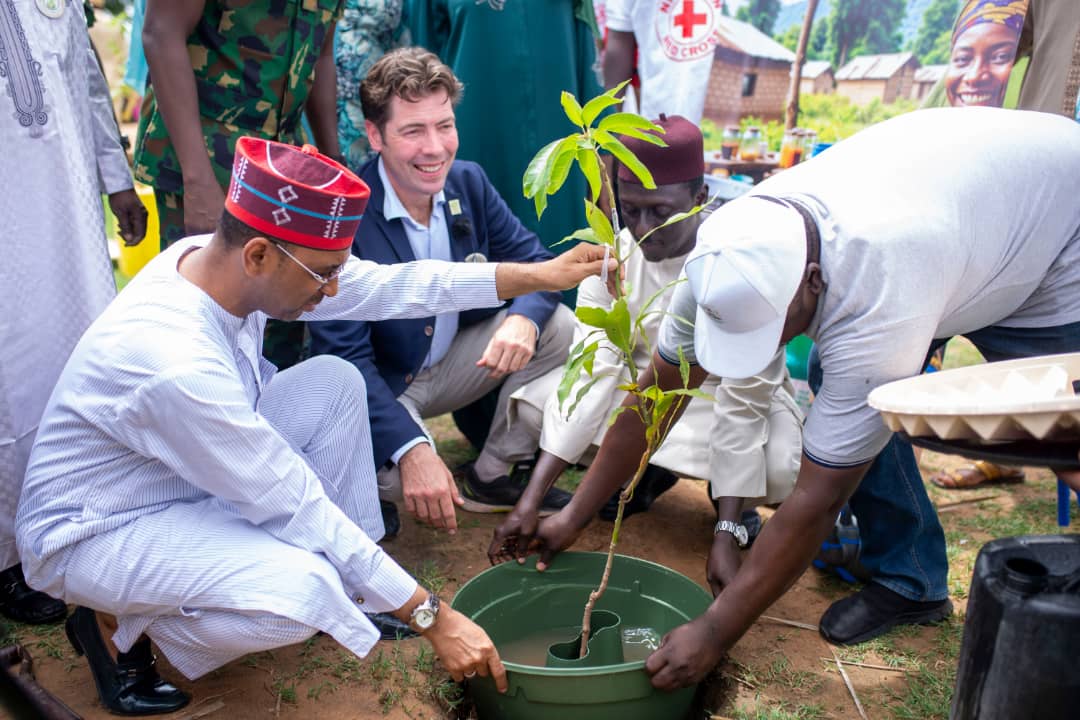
903	545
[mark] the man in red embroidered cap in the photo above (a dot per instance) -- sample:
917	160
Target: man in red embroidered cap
746	442
189	493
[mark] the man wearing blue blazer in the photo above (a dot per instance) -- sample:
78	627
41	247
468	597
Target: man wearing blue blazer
426	205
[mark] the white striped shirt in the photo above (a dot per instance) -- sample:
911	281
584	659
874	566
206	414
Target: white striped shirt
158	405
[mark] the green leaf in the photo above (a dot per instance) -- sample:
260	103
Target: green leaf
581	393
616	413
592	316
561	160
677	217
540	201
582	235
597	105
614	92
600	224
537	173
581	356
693	392
612	144
618	327
661	408
634	125
571	107
590	168
684	368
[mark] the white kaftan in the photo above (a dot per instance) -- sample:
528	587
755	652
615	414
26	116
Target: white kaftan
177	483
59	151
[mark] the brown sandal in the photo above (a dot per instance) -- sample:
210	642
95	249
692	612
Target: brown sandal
976	475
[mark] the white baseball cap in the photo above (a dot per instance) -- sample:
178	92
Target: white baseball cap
744	272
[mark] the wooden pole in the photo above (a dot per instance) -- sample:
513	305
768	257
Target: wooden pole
791	114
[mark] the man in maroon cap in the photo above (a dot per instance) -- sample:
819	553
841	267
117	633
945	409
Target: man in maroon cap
182	490
746	442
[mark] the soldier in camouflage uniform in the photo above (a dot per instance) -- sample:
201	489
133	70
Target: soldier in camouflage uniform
220	69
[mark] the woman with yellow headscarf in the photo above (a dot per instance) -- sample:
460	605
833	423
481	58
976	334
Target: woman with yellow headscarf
984	44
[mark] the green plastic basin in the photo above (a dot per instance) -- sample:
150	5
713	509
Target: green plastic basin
512	602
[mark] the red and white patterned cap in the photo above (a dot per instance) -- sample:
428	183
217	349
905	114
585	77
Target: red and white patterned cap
295	194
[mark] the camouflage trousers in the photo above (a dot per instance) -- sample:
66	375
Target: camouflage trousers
284	343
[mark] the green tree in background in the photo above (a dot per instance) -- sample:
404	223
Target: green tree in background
932	43
883	30
759	13
814	50
864	26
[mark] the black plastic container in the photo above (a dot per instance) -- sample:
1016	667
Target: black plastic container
1022	635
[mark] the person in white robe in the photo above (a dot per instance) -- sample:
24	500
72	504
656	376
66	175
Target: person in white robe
182	486
60	152
745	441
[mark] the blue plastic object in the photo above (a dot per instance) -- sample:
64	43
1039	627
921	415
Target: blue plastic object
1064	499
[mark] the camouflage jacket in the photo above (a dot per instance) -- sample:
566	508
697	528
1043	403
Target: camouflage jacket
254	61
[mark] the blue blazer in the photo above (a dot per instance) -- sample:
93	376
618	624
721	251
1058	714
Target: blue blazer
390	352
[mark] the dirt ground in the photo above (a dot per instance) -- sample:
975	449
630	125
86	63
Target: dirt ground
775	671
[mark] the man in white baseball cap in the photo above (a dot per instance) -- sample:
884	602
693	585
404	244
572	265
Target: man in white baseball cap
749	262
880	256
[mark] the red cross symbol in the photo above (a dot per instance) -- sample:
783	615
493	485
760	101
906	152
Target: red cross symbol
688	19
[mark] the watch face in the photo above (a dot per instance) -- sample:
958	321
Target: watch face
424	618
741	535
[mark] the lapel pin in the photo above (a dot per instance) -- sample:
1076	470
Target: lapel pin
455	206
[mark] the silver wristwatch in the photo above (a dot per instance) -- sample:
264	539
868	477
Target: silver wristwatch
425	614
736	529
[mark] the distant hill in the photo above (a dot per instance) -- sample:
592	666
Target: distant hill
793	15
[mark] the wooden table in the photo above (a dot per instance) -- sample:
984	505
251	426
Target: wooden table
755	169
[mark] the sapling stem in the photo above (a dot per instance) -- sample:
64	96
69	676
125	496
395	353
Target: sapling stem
624	497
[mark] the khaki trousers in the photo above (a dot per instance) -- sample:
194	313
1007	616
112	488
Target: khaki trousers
456	381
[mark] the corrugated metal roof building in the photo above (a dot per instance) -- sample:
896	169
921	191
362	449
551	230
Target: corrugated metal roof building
750	74
817	78
885	77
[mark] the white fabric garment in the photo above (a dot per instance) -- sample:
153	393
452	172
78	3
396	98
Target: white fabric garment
59	151
746	442
930	227
161	407
675	42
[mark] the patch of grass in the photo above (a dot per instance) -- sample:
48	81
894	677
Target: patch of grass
431	576
570	478
780	672
1037	516
8	634
315	692
379	666
287	692
928	692
446	692
769	709
348	667
388	699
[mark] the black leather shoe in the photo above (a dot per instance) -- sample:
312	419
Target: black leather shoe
390	628
874	611
502	493
390	519
131	684
21	603
654	482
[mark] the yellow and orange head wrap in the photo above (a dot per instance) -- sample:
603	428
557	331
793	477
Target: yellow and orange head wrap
1003	12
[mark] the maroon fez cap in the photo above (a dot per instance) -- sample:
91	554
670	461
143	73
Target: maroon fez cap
295	194
681	161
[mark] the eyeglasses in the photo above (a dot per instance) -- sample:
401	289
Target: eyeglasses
318	277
